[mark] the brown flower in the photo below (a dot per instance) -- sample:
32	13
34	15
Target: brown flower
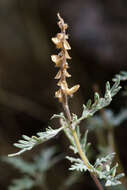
66	45
72	90
58	94
58	75
67	55
57	42
60	61
57	60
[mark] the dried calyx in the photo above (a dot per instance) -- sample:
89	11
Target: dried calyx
60	61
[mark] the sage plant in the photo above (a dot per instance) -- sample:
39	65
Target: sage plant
70	123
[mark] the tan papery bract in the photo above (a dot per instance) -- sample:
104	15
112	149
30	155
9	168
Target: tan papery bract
60	61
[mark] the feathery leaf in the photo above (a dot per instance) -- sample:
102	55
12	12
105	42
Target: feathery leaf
29	143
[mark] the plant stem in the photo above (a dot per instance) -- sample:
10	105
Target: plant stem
97	182
85	160
80	151
64	91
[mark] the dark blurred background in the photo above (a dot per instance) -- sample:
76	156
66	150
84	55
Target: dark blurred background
98	37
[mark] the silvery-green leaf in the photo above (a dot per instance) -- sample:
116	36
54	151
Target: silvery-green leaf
29	143
22	183
78	164
20	164
61	115
99	103
112	183
122	76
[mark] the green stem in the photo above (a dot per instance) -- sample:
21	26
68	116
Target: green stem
85	160
80	151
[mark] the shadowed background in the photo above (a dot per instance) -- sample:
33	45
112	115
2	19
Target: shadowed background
97	31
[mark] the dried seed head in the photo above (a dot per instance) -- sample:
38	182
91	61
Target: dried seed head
66	74
59	95
67	55
72	90
60	61
57	60
57	42
63	26
66	45
58	75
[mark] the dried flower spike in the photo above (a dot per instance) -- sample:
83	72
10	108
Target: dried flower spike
60	61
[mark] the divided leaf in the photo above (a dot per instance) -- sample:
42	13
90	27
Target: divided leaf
104	171
82	139
122	76
89	109
102	167
58	116
20	164
29	142
22	183
46	159
96	122
78	164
